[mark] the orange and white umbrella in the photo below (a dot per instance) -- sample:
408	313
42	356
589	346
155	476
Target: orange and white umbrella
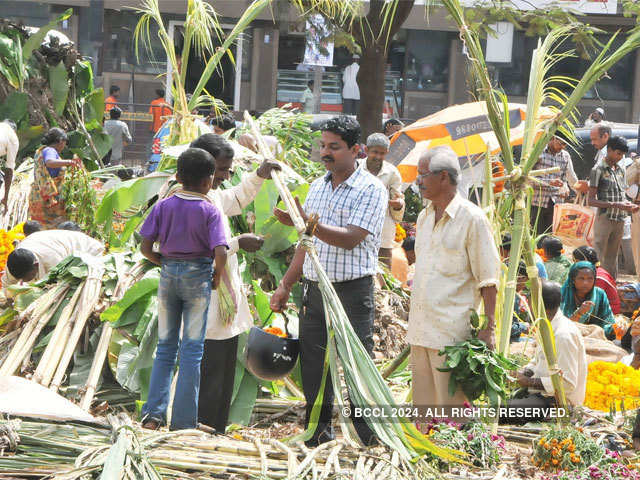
465	128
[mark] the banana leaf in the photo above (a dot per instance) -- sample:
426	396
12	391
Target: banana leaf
94	109
36	39
59	84
82	364
83	77
130	194
148	284
15	107
244	401
135	361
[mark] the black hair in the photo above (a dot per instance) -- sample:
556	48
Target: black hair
522	269
618	143
310	83
586	253
20	262
563	137
225	122
551	295
11	123
552	246
69	225
114	113
217	146
603	130
159	92
113	89
347	128
124	173
53	136
409	244
254	113
541	240
30	227
195	164
506	241
390	122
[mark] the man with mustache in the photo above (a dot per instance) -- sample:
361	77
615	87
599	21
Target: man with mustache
351	205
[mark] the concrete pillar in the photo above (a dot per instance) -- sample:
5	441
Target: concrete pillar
635	98
264	68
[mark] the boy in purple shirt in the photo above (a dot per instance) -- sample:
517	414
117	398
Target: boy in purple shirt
190	232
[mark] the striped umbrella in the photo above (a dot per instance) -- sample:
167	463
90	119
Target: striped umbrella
465	128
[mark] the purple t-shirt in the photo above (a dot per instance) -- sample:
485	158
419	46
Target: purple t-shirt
185	228
50	153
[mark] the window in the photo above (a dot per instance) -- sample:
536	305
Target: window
427	60
513	77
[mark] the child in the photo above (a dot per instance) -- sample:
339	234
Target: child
190	232
556	263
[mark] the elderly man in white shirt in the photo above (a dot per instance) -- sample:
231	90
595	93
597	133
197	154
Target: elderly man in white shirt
376	149
572	361
221	341
9	146
457	267
43	250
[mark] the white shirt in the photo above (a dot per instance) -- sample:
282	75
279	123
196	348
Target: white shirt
572	361
391	179
9	145
350	89
50	247
454	260
230	202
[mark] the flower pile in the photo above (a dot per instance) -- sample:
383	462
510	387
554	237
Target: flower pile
565	448
612	386
481	446
611	467
401	234
275	331
7	243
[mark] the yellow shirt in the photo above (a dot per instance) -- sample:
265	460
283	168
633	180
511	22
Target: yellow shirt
454	260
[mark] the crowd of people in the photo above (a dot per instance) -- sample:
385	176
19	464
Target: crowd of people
351	212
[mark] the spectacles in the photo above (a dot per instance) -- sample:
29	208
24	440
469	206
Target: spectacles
424	175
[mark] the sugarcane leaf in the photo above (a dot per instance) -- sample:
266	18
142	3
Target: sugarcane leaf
149	283
244	401
36	39
59	84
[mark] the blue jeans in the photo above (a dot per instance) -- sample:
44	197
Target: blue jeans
183	301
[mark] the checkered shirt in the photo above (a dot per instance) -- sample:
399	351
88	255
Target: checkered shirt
542	194
611	183
361	200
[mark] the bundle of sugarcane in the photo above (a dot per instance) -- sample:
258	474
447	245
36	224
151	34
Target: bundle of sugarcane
18	203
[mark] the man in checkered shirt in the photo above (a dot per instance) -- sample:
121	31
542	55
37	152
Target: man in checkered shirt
351	204
607	185
554	185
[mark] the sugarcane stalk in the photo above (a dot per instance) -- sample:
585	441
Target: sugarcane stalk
33	328
533	173
51	356
96	366
393	366
90	295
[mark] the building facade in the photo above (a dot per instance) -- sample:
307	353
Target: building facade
426	68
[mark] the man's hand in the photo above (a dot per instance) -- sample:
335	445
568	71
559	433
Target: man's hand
215	280
488	336
522	378
284	217
266	167
627	206
396	203
250	242
581	186
279	298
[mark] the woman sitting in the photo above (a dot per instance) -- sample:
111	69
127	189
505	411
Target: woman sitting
604	280
583	302
45	200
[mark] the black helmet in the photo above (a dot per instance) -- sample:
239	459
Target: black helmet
270	357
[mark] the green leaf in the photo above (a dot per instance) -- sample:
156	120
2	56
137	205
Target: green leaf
148	284
261	302
84	77
245	400
134	313
35	40
129	194
135	361
8	315
59	84
15	107
94	108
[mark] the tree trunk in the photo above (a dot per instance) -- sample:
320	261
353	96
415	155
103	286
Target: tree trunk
371	84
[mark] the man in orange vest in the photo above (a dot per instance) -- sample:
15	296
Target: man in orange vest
159	109
112	100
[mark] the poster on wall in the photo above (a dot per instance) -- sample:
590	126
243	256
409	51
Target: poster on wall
318	49
602	7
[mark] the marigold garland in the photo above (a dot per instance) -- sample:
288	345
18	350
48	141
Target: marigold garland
612	385
401	234
275	331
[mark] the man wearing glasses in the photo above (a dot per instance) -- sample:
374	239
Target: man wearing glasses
457	267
